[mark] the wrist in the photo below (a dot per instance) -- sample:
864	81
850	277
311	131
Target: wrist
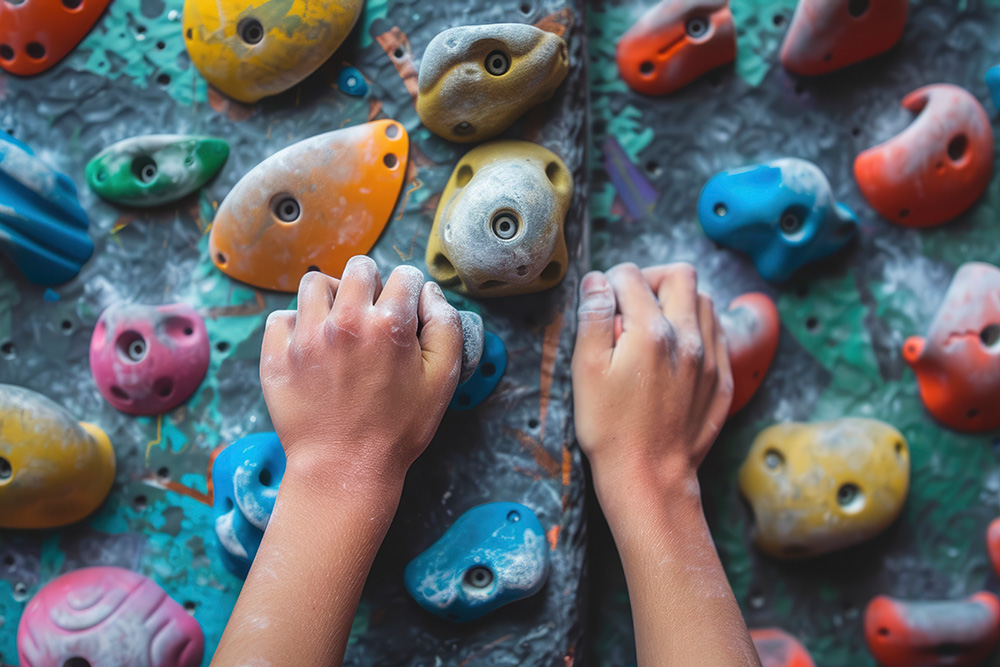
640	490
330	477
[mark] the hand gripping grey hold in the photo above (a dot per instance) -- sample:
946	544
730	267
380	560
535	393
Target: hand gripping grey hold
473	336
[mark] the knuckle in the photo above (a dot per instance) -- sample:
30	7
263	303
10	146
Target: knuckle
684	270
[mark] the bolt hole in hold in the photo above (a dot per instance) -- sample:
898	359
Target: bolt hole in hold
220	258
779	20
812	323
222	346
35	51
66	325
857	8
76	662
72	4
957	147
312	268
513	516
478	577
163	387
533	423
6	471
653	167
189	606
265	477
696	27
229	504
131	346
883	632
990	335
487	370
140	502
390	160
398	53
6	53
525	8
721	210
850	498
392	130
646	68
189	34
250	31
505	225
286	208
497	63
144	169
791	222
899	448
119	393
773	459
8	350
463	128
163	473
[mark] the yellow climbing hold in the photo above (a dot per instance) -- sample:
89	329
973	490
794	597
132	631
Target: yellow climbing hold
252	51
819	487
53	470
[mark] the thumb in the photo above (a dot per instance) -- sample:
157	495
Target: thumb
595	333
440	337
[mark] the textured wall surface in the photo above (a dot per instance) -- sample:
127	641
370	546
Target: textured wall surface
132	76
843	325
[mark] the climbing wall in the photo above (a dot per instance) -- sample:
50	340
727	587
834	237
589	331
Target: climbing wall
132	76
843	324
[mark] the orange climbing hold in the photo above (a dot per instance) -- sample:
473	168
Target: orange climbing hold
36	34
752	326
937	167
924	634
777	648
826	35
674	43
958	364
993	544
311	206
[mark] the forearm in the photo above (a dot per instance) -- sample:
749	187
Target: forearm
300	597
683	608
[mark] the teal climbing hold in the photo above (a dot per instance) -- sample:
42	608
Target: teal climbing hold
43	228
486	377
351	81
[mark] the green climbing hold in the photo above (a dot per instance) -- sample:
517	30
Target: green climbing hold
155	169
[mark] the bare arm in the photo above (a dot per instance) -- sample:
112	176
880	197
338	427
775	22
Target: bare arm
649	404
356	381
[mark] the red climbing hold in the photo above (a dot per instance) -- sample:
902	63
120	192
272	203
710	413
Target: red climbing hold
938	166
674	43
777	648
958	364
826	35
752	327
36	34
915	634
993	544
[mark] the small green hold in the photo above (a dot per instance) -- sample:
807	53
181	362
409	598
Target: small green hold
155	169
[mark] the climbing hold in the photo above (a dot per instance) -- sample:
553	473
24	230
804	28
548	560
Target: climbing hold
484	380
674	43
958	364
251	52
993	83
351	81
498	230
493	555
752	327
43	229
476	80
155	169
107	616
472	343
993	544
777	648
815	488
53	470
245	479
147	360
826	35
937	167
921	634
35	35
782	213
311	206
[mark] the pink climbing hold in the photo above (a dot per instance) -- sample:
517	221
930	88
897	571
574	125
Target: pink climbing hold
107	616
147	360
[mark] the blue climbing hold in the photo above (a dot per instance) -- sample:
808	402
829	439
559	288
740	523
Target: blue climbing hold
993	83
782	213
486	377
493	555
245	479
351	81
43	228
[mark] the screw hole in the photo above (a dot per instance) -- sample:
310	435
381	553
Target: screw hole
497	63
163	473
76	662
286	209
163	387
119	393
779	20
265	477
533	423
513	516
163	79
6	52
398	53
696	27
392	130
220	258
8	350
857	8
505	225
250	31
990	335
6	471
957	147
222	346
646	68
773	459
35	51
720	210
812	323
390	160
487	370
478	577
189	606
850	498
140	503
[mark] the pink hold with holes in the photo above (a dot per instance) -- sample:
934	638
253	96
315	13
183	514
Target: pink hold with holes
147	360
107	616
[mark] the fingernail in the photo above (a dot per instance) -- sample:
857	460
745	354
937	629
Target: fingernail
594	283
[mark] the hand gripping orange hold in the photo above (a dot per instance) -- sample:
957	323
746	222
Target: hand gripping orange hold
926	634
674	43
752	327
37	34
937	167
311	206
777	648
